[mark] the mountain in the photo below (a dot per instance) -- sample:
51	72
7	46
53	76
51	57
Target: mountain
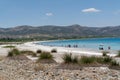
50	31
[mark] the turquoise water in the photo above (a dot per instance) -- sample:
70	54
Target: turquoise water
95	43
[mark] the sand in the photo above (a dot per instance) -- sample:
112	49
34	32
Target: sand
60	50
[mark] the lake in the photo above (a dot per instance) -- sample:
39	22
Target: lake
92	43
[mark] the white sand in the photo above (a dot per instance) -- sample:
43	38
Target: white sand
60	50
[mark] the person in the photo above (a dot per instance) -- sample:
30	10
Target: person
109	47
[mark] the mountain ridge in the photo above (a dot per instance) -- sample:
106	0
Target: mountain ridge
52	31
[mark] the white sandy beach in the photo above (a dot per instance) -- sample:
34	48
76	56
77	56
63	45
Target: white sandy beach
60	50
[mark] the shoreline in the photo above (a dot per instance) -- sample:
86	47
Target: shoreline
78	51
60	50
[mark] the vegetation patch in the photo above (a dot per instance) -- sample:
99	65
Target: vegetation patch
9	46
13	52
16	55
118	55
87	60
46	57
39	51
27	52
83	61
54	51
68	58
105	53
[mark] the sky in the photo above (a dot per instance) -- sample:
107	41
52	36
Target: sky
92	13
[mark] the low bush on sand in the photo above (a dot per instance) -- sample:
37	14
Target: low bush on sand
90	60
39	51
46	55
27	52
69	59
114	63
93	59
118	55
9	46
13	52
104	53
54	51
87	60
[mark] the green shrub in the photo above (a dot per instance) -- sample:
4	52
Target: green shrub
53	51
105	53
45	55
75	59
118	55
39	51
13	52
107	60
69	59
114	63
27	52
100	60
10	54
9	46
34	55
87	60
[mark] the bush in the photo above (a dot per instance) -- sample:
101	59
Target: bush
10	54
93	59
53	51
34	55
105	53
118	55
69	59
45	55
75	59
107	60
27	52
87	60
9	46
13	52
114	63
100	60
39	51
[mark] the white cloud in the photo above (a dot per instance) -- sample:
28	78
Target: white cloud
49	14
90	10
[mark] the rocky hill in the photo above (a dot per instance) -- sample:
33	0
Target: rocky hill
50	31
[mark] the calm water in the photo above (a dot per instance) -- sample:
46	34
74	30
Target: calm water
95	43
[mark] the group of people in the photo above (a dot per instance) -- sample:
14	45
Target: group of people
101	48
75	46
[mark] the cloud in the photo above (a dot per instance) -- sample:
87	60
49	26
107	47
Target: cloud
90	10
49	14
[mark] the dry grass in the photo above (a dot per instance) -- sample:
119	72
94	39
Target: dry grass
27	52
2	57
46	57
39	67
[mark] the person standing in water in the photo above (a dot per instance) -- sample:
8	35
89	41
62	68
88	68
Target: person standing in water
109	47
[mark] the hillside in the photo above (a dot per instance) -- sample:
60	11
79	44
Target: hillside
72	31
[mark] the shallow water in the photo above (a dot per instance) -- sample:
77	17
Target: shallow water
93	43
